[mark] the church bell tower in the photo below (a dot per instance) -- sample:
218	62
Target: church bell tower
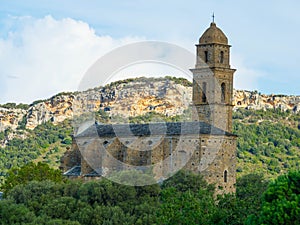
213	79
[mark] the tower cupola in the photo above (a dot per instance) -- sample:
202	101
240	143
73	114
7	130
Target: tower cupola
213	49
213	35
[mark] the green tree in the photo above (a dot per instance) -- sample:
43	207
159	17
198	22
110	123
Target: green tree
60	208
280	202
35	194
186	207
186	199
48	221
234	209
187	181
249	190
11	213
30	172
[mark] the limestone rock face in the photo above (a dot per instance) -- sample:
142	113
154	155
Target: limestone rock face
132	98
256	101
10	118
125	99
139	98
56	109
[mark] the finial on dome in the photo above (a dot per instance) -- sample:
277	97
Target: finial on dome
213	17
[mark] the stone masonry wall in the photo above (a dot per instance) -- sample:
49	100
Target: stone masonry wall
212	156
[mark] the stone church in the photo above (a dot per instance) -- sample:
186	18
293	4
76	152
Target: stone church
204	145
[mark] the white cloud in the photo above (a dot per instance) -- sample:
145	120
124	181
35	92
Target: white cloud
41	57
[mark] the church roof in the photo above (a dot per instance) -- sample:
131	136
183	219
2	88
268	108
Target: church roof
174	128
213	35
75	171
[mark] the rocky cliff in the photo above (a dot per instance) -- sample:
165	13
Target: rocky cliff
131	98
256	101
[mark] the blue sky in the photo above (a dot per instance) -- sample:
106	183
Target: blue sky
36	38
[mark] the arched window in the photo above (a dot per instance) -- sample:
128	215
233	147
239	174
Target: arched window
206	56
221	57
225	176
223	92
204	86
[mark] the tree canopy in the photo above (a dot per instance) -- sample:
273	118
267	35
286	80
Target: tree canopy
30	172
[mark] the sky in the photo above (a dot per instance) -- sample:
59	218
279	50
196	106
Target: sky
46	47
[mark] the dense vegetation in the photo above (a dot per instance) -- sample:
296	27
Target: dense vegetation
184	198
30	172
268	143
45	143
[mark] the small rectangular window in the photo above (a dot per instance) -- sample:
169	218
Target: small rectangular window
206	56
221	57
225	176
204	86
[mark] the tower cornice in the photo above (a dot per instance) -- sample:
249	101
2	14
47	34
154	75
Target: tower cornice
206	68
220	44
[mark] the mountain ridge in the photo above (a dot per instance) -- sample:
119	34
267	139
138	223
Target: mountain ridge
131	97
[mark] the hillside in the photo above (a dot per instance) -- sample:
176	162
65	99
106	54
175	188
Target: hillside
267	125
132	97
268	143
